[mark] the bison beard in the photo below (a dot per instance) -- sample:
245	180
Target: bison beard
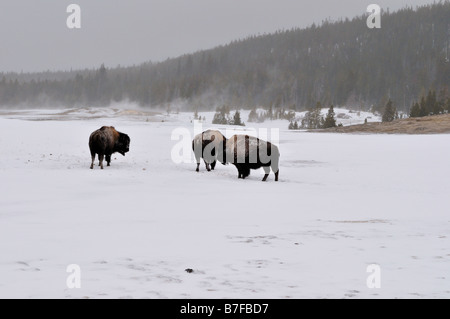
107	141
247	153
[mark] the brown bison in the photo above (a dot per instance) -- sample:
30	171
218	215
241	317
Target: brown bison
210	146
107	141
246	153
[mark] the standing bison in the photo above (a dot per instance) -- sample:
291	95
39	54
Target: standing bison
246	153
107	141
210	146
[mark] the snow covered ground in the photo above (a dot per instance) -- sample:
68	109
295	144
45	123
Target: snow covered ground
343	202
343	116
346	117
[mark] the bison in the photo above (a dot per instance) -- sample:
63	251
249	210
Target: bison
210	146
246	153
107	141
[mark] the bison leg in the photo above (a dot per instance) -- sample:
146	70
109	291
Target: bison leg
213	165
267	172
108	160
93	159
100	159
198	162
276	167
245	172
240	175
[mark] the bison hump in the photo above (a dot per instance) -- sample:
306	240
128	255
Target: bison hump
211	135
247	142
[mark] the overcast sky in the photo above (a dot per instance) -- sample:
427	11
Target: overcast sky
34	35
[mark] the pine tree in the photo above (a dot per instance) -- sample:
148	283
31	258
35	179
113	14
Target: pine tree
221	116
437	107
321	122
218	119
253	116
390	112
269	114
293	125
432	104
237	119
330	121
415	110
290	116
423	108
443	99
313	119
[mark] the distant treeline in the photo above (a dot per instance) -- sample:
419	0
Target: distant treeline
339	63
431	105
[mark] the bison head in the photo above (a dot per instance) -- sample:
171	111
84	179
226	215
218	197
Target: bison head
123	144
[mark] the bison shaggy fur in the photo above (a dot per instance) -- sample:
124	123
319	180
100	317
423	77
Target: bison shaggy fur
107	141
210	146
247	153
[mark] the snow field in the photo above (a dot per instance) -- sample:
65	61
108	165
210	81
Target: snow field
343	202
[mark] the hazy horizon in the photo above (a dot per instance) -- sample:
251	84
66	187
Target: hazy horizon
36	38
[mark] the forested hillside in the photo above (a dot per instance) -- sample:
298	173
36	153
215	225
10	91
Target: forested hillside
342	63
